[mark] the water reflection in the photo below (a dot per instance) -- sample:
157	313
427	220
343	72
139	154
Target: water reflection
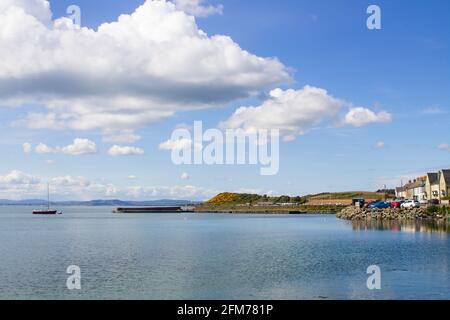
412	226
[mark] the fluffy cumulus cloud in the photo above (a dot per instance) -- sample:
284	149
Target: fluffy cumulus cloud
17	184
359	117
127	74
39	9
198	8
20	185
80	147
294	112
178	145
77	148
19	178
125	151
27	148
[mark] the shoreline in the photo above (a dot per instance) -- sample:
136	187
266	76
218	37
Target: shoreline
293	210
357	214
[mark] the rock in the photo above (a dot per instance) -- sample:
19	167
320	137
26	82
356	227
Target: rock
353	213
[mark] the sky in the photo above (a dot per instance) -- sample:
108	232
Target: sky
92	110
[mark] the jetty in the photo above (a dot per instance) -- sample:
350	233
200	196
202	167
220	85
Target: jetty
151	210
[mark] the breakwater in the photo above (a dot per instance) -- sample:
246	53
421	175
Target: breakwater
353	213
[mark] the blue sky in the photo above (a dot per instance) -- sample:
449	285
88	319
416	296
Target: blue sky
402	69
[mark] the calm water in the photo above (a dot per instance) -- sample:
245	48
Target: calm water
217	256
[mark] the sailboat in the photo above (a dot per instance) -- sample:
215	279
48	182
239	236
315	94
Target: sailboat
47	211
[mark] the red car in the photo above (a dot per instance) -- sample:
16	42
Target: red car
397	203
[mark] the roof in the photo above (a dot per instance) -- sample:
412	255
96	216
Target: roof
446	175
432	177
414	185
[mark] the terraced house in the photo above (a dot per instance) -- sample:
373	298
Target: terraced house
435	185
413	190
438	185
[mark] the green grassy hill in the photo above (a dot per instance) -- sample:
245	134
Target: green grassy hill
228	198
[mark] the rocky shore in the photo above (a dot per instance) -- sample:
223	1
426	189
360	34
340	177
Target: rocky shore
353	213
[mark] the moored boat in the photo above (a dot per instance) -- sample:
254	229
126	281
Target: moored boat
45	212
48	211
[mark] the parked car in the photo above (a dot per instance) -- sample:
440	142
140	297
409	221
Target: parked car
369	203
410	204
433	202
397	203
380	205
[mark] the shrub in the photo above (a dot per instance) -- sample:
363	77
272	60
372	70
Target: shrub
433	209
445	210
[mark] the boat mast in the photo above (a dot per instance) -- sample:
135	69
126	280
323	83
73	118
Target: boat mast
48	196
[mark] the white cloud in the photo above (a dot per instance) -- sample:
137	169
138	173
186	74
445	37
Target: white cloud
196	8
132	177
184	176
380	145
293	112
80	147
125	151
444	147
359	117
17	177
77	148
177	145
69	181
127	74
27	148
40	9
20	185
42	148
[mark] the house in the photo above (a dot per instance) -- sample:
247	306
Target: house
432	186
415	190
438	185
400	193
444	183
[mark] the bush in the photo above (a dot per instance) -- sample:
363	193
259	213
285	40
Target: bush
433	209
445	210
446	198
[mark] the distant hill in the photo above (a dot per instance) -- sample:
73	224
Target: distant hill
347	195
228	198
98	203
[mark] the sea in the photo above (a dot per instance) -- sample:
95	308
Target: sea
92	253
